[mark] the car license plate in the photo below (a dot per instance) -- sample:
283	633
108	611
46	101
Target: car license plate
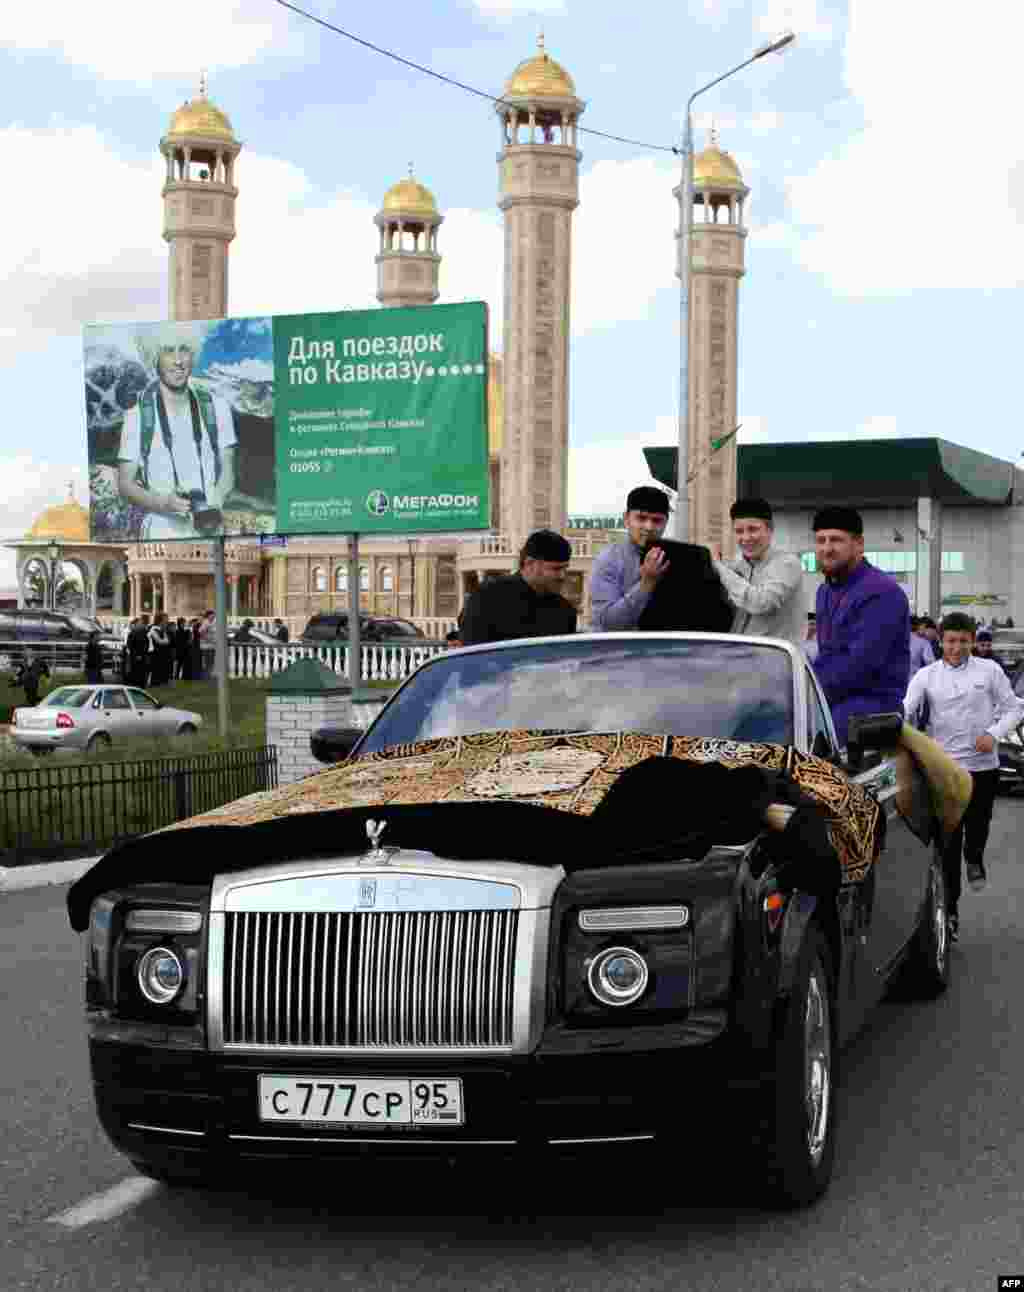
362	1101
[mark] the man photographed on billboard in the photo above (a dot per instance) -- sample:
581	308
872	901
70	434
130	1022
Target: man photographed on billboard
177	459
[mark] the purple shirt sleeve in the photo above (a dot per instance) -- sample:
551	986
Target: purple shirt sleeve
877	634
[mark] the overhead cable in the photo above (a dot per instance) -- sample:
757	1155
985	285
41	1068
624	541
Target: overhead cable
449	80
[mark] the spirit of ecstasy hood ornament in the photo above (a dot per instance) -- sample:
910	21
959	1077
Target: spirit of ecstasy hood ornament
374	830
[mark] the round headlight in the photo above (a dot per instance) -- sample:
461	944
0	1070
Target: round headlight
618	976
161	975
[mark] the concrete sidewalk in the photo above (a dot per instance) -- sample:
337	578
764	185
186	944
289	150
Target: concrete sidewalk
15	878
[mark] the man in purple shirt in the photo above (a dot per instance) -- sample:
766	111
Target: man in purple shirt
863	620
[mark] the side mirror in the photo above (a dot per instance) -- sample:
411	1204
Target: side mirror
871	731
332	744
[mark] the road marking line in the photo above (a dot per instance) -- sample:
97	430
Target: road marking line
108	1204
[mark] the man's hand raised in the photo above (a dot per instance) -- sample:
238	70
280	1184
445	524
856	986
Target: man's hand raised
654	565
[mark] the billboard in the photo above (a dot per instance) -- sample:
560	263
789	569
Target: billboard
365	421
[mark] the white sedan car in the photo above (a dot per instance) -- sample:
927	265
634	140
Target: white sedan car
93	717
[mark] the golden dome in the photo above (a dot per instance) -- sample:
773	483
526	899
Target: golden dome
715	168
540	77
200	117
410	196
68	522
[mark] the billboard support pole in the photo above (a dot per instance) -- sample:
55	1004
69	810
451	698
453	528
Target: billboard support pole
220	630
355	672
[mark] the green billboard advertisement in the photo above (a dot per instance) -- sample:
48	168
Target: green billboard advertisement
381	420
365	421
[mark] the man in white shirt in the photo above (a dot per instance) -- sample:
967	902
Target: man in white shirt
177	443
763	583
968	706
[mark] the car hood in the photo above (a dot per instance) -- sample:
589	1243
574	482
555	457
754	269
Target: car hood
578	800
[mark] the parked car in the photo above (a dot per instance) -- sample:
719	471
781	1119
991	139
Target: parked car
94	717
324	629
557	888
59	637
1008	648
1011	748
252	637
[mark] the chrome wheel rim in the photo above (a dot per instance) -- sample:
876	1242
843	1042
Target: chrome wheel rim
817	1065
939	921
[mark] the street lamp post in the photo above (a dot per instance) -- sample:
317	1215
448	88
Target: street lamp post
53	552
685	221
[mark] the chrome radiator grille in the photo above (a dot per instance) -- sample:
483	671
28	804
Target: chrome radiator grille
388	979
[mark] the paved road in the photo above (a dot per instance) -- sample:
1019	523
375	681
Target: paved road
928	1191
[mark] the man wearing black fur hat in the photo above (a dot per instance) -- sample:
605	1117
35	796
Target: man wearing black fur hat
527	604
763	583
624	578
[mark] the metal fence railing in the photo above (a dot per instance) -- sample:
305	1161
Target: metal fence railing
46	811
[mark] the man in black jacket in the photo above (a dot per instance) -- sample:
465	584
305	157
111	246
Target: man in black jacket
527	604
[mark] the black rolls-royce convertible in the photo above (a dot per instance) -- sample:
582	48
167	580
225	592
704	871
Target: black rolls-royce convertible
555	885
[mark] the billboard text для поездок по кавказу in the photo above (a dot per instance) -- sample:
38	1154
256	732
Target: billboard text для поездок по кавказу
363	421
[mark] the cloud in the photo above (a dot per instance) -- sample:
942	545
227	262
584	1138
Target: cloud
926	195
602	472
807	18
141	43
616	278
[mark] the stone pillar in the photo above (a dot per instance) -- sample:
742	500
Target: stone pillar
539	190
929	558
234	596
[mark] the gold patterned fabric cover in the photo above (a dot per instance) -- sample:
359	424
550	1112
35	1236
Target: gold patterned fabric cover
570	773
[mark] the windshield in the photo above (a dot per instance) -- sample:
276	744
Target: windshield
681	687
69	697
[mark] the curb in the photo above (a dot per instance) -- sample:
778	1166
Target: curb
15	879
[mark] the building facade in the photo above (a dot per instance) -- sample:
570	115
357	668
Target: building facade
947	522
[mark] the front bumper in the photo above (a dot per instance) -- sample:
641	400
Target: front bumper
185	1108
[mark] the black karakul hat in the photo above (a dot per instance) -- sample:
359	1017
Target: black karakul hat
647	498
546	545
751	509
846	518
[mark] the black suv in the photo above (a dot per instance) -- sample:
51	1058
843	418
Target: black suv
60	638
323	629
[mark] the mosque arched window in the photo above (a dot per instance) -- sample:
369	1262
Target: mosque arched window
364	578
386	579
318	579
341	578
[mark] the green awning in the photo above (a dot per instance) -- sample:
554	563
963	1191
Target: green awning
861	473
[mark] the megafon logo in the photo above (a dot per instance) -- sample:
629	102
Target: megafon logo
432	501
377	503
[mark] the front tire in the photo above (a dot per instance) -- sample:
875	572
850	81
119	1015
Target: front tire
98	744
799	1138
186	729
925	973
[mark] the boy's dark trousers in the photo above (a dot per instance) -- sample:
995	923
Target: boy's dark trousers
971	835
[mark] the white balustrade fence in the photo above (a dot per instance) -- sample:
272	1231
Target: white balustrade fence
378	663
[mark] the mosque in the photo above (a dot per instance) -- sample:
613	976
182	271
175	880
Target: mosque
428	578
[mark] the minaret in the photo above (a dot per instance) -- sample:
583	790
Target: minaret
539	190
717	265
199	207
408	262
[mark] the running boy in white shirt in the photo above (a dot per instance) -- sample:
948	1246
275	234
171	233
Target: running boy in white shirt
968	706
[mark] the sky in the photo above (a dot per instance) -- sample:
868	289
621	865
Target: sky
885	254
